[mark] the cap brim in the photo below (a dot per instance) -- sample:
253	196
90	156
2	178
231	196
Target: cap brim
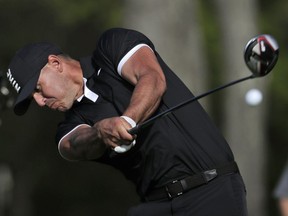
25	96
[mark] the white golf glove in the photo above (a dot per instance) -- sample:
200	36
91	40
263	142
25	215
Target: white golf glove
125	148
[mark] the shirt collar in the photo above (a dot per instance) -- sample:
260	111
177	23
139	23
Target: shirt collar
88	93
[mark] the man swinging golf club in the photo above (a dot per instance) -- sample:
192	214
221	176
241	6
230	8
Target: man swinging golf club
180	164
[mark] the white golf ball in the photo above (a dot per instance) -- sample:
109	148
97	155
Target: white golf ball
253	97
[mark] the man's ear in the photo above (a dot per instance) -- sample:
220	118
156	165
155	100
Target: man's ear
55	62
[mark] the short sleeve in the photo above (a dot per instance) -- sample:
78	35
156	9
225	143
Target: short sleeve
115	43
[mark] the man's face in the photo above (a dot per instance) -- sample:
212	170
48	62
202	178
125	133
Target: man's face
54	89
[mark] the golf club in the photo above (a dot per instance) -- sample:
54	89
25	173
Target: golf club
260	55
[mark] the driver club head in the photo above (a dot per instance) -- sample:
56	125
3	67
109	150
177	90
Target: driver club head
261	54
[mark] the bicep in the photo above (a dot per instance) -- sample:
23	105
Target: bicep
142	63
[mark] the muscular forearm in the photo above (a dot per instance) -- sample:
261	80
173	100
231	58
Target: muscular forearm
146	97
144	72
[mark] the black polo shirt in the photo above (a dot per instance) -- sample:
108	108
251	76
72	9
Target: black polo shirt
180	144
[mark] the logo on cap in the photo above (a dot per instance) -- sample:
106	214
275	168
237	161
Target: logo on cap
13	81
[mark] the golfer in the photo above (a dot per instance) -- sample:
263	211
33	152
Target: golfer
181	164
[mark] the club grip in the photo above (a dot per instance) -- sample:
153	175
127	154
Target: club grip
134	130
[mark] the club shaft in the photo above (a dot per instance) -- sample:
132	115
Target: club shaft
137	128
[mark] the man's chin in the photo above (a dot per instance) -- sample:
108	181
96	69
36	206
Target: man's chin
61	109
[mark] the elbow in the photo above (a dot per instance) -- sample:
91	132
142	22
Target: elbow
64	149
76	152
81	144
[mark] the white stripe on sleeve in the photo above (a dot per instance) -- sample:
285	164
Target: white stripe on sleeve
128	55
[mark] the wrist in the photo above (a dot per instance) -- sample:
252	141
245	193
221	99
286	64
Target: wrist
129	120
